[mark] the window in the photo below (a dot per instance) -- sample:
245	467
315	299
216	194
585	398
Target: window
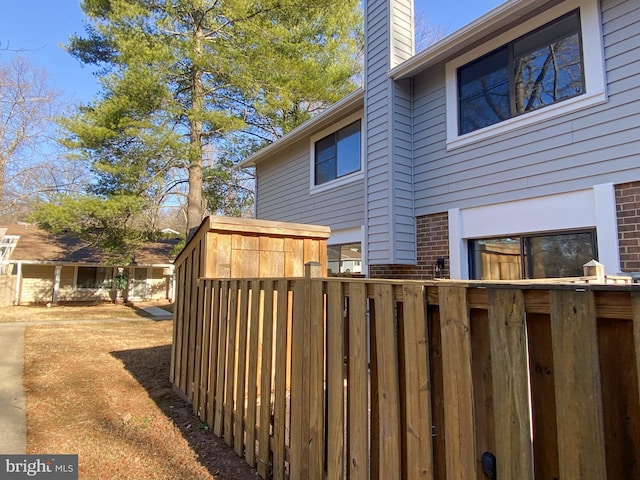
539	69
544	67
345	258
337	154
94	277
552	255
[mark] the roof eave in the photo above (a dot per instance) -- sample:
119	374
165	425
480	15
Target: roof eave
349	102
467	36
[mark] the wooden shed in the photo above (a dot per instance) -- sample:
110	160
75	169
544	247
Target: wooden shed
228	247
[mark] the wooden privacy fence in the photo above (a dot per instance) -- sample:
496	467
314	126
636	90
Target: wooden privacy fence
314	378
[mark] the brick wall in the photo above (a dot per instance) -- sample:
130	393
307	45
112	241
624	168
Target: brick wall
628	213
433	243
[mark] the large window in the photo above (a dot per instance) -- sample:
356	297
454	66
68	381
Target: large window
539	69
345	259
337	154
94	277
553	255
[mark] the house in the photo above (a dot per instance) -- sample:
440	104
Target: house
37	267
508	149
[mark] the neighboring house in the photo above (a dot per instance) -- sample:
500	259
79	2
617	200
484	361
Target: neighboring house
37	267
508	149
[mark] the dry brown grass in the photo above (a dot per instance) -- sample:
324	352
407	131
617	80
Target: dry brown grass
101	390
104	311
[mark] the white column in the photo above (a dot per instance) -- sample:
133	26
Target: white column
56	285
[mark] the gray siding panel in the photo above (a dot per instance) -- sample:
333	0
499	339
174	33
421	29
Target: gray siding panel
597	145
283	194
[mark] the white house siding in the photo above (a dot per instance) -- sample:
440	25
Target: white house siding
598	145
388	186
284	194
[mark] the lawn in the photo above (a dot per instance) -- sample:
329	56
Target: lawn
100	389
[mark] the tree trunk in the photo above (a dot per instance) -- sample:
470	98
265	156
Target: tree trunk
195	209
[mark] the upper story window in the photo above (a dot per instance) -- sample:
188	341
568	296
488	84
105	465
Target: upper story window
337	154
536	70
548	66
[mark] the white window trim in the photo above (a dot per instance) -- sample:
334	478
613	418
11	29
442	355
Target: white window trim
350	235
582	209
594	69
345	179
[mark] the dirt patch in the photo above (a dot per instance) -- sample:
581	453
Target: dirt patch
101	391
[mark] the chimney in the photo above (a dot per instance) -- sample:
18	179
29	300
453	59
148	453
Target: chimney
387	132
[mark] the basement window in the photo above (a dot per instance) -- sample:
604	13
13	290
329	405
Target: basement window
550	255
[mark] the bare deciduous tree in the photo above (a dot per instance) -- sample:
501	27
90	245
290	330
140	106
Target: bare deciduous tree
30	162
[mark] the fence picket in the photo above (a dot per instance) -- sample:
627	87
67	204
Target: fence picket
577	384
264	457
218	421
252	381
280	381
510	376
229	405
417	428
388	380
635	308
458	383
335	381
213	354
243	312
357	384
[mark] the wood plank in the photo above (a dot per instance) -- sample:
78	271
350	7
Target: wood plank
222	256
635	307
264	450
252	374
417	428
294	257
178	325
335	382
299	414
316	318
438	430
457	383
186	323
280	380
213	354
543	401
198	359
229	405
194	329
218	422
510	380
243	322
388	384
483	410
358	381
620	406
205	313
581	448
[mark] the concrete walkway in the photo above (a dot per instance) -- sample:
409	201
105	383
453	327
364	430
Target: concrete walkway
13	422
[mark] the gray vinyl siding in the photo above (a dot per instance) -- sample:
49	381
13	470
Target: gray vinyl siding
597	145
388	135
283	193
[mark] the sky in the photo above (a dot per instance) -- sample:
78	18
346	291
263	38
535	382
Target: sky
37	28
